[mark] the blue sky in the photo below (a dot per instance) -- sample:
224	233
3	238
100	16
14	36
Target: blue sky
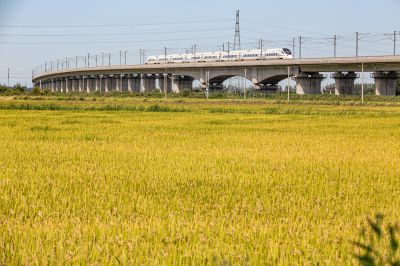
177	24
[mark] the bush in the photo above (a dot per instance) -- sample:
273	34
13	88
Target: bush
36	91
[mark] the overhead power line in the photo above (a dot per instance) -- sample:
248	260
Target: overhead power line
115	25
283	27
111	34
113	42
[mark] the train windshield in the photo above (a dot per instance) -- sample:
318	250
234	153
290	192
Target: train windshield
287	51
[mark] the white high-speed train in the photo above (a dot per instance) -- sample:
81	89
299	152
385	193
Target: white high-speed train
244	55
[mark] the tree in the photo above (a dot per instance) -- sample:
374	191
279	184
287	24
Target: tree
369	89
36	91
3	89
19	89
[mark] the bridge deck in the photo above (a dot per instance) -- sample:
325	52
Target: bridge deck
371	63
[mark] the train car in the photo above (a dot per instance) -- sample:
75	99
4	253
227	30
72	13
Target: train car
222	56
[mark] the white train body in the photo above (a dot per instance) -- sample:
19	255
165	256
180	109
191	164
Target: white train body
244	55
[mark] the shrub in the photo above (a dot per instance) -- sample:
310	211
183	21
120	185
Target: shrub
36	91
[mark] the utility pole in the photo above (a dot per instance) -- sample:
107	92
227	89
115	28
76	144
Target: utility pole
300	46
236	43
96	60
142	56
244	87
76	61
357	40
261	49
194	51
8	78
334	42
335	39
166	74
120	58
229	51
102	59
207	83
88	59
394	39
125	56
109	59
362	82
294	46
288	82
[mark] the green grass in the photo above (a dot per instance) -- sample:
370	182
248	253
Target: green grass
192	182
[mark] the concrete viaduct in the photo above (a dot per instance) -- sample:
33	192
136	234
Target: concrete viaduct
175	77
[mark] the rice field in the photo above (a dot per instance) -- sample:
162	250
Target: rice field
190	182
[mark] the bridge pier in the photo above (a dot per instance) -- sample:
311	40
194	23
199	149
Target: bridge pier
175	83
185	82
308	83
66	85
79	81
106	84
129	82
149	82
157	83
142	85
124	85
135	83
100	83
73	84
152	83
118	83
58	86
96	85
385	83
62	85
344	82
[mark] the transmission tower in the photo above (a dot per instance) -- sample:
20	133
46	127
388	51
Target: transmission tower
236	43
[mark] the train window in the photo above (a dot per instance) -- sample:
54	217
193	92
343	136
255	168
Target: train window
287	51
